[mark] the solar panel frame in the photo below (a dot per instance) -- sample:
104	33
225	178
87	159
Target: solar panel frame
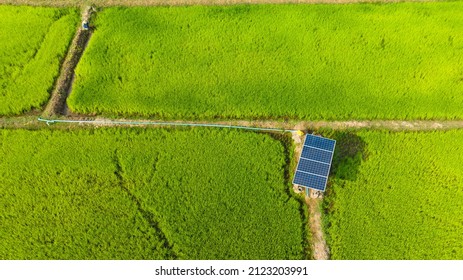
315	150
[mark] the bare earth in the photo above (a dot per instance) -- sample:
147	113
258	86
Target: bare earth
297	140
319	248
393	125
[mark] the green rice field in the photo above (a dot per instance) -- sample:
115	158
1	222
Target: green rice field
399	198
358	61
147	194
33	41
189	193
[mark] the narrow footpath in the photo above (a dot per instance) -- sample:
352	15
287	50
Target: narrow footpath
393	125
57	103
320	249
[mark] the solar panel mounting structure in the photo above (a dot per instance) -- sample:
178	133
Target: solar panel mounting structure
314	163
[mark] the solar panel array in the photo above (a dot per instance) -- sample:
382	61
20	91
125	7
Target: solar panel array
315	162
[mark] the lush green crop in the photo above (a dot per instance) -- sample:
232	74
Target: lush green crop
361	61
146	194
60	199
32	43
404	200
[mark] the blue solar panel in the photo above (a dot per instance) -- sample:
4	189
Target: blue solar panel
320	143
313	167
315	162
316	154
315	182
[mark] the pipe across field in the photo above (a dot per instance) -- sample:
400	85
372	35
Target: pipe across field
156	123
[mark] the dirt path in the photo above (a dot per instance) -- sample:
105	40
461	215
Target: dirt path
57	103
30	120
384	124
282	125
319	248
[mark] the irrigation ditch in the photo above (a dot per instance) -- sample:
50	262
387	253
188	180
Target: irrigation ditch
57	103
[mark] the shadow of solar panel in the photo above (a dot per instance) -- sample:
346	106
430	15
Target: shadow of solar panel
315	154
314	167
319	142
308	180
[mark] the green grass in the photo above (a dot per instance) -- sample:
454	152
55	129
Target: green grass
146	194
358	61
33	41
402	201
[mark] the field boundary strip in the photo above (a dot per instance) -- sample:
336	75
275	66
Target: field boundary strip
270	125
161	123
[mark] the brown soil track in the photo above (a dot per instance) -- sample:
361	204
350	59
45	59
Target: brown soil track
320	249
422	125
392	125
57	103
105	3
